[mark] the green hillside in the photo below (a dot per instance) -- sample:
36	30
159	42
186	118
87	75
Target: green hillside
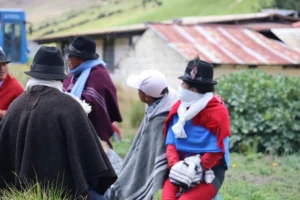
128	12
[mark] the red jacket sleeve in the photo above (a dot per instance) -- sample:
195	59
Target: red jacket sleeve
208	160
172	155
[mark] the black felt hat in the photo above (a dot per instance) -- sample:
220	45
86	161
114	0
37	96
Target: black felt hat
48	63
3	57
199	72
83	47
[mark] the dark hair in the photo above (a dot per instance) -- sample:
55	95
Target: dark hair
165	91
201	88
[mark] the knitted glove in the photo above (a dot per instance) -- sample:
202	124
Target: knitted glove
182	174
198	176
196	160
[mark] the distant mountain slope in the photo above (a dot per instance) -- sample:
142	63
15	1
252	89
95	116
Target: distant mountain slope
58	17
41	10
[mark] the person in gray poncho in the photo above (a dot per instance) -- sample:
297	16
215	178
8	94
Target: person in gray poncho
145	167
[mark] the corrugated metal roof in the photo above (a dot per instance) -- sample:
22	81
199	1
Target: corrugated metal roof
226	45
260	26
263	26
97	32
284	12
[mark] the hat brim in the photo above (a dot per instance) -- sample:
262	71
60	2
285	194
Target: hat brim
82	55
197	82
47	76
5	61
134	81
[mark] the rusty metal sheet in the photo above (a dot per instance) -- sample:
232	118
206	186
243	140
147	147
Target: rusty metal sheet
226	45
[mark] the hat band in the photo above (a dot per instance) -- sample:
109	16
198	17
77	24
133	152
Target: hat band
200	79
72	48
46	69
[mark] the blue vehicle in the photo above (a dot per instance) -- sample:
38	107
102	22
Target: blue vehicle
13	34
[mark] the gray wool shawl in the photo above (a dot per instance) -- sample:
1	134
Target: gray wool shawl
145	167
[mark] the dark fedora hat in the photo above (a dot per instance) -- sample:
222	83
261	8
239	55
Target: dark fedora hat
3	57
48	63
83	47
199	72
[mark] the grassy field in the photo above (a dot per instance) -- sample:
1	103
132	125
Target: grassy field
18	72
133	12
250	177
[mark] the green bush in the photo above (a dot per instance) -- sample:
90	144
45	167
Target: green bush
264	111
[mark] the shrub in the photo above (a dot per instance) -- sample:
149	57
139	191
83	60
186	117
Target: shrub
264	111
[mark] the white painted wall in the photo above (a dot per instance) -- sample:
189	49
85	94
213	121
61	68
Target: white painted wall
121	49
151	52
99	47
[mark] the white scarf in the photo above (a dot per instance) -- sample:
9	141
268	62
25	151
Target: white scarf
196	102
49	83
57	85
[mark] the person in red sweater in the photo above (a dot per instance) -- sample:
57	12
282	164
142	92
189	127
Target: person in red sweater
197	134
10	88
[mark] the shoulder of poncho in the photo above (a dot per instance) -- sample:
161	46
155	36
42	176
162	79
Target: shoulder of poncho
64	104
98	71
214	117
60	103
160	118
68	101
99	79
217	112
